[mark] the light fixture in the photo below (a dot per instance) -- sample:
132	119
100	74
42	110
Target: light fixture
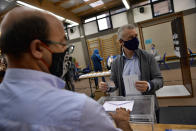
33	7
125	2
90	19
72	23
95	4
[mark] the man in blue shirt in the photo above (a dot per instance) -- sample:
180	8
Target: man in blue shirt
31	98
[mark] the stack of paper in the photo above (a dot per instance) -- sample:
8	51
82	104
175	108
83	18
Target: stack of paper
180	130
112	105
129	82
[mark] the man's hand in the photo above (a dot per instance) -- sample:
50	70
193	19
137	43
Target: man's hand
121	115
121	118
142	86
103	86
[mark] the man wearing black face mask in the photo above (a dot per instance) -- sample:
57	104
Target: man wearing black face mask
134	62
31	97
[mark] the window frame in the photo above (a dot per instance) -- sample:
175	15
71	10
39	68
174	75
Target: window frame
159	1
107	16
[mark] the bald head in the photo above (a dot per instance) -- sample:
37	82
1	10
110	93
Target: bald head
22	25
18	14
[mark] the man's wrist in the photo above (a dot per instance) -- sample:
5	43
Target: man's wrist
124	125
120	122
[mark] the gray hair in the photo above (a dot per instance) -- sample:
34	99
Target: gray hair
121	29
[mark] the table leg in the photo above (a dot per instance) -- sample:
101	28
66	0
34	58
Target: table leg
92	94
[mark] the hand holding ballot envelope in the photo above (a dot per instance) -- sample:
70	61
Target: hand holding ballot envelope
103	86
132	85
141	86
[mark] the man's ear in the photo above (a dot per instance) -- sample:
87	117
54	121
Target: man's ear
36	49
121	42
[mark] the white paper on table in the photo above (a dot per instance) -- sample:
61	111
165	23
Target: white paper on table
112	105
180	130
129	82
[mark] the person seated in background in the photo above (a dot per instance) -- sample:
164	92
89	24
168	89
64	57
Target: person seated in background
31	97
134	62
96	59
154	52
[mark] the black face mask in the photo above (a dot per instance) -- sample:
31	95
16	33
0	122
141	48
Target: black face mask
132	44
60	64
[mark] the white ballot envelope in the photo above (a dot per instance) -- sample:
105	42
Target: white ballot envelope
112	105
129	82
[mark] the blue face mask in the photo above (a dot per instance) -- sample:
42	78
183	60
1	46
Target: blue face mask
132	44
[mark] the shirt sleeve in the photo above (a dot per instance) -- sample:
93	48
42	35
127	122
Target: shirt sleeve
94	118
99	57
157	78
149	87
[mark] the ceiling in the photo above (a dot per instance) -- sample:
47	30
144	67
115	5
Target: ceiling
70	9
84	9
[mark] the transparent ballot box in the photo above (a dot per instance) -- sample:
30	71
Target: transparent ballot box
143	110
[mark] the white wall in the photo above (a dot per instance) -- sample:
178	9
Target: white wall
161	36
79	54
119	20
190	29
180	5
76	33
90	28
137	30
142	16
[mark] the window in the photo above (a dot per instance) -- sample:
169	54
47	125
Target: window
162	7
103	20
104	23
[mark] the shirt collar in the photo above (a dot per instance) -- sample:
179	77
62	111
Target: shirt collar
28	75
133	57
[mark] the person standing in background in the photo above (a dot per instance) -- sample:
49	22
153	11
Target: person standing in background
96	59
154	52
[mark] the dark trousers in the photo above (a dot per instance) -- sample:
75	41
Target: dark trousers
96	78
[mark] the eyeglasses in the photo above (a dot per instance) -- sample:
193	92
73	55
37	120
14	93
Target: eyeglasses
49	42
